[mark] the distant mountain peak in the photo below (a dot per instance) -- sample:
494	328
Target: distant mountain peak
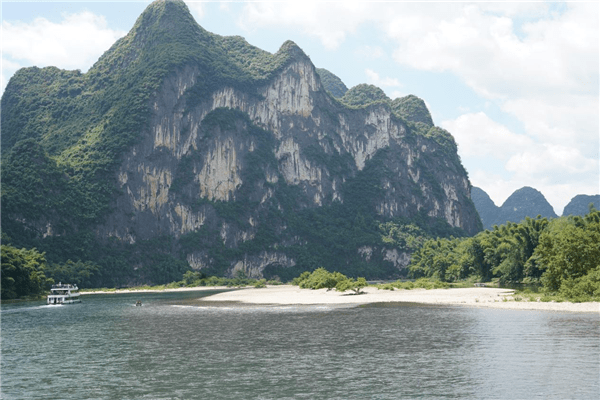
579	205
524	202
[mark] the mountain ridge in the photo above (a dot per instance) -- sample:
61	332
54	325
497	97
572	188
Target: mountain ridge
526	202
184	148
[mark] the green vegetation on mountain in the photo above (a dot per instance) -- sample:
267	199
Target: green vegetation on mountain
563	255
363	95
63	132
410	109
65	136
84	122
332	83
413	109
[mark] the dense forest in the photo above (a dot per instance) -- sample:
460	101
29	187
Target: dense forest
560	256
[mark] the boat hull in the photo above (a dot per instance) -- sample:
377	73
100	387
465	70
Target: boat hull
67	301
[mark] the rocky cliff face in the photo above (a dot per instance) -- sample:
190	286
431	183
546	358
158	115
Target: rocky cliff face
305	128
231	166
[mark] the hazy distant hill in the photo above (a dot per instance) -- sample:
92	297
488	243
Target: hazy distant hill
579	205
525	202
488	211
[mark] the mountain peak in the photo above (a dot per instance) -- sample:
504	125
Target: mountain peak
364	94
524	202
165	31
170	17
412	108
579	205
332	83
292	50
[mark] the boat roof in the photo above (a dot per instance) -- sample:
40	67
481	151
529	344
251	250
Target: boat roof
64	286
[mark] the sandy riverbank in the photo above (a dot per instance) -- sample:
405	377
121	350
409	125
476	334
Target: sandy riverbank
470	297
288	294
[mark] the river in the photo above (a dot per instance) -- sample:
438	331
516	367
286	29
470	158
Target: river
176	347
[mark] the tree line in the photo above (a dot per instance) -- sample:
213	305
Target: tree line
560	255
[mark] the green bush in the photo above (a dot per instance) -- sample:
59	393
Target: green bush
351	284
319	279
422	283
585	288
260	283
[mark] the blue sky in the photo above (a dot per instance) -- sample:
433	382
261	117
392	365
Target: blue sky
516	83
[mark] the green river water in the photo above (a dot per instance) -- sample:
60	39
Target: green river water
177	347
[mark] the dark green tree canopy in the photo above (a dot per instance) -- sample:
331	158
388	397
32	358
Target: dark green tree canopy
413	109
332	83
363	95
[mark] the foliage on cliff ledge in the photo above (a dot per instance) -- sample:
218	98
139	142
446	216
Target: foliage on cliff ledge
363	95
332	83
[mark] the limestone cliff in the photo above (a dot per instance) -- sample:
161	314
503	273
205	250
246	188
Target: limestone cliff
244	168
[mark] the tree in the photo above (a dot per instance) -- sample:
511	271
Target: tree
351	284
81	273
568	251
23	273
320	279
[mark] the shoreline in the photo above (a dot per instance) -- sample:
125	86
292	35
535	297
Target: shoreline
478	297
464	297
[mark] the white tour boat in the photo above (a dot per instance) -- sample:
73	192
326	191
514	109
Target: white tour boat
64	294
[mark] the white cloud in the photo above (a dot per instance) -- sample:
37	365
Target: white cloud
553	161
374	79
330	22
74	43
477	135
370	52
486	51
559	170
197	8
565	119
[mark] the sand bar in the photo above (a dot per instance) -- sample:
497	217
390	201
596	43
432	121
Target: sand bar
469	297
